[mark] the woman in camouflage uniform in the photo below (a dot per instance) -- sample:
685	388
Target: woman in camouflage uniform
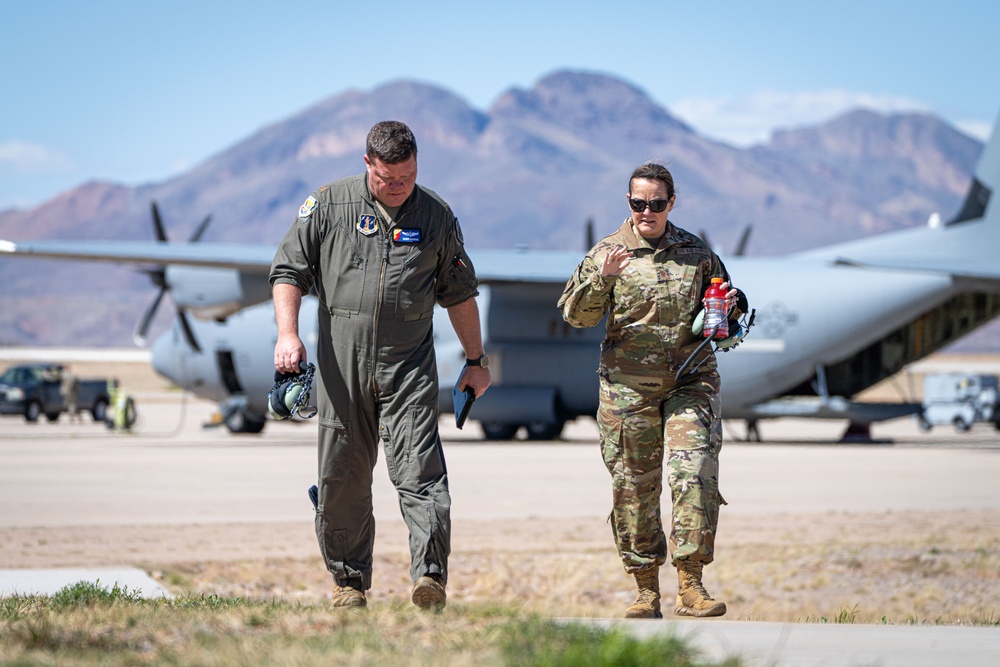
649	278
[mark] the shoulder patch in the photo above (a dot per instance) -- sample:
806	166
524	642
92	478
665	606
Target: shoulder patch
367	224
458	230
308	206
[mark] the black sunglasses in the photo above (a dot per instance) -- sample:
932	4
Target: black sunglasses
655	205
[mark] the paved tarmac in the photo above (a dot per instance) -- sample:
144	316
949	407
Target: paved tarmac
174	471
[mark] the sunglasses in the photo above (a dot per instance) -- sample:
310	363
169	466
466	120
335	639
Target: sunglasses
655	205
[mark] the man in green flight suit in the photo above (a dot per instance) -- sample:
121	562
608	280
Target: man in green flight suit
380	251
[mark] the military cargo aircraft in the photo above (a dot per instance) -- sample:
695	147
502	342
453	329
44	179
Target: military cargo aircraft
831	322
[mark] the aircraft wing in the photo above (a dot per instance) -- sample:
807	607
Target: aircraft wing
524	266
517	266
244	257
983	270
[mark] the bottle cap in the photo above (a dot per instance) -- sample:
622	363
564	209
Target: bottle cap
716	281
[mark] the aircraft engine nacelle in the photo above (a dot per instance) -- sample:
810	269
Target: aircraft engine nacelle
215	294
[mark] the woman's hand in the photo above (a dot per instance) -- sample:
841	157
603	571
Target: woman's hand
616	261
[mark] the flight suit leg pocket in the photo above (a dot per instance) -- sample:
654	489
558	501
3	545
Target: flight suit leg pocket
425	459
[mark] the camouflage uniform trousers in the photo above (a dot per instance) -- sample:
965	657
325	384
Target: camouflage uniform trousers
639	421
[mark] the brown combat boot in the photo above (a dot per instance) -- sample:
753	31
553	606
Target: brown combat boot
692	598
647	602
428	592
345	596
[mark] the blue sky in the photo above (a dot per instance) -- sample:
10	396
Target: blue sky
136	91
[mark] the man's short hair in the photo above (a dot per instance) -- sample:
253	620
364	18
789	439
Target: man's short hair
391	142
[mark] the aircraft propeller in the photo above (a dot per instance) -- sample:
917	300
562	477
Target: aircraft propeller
741	244
158	276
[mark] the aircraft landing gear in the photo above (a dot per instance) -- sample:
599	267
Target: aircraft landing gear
857	432
242	421
539	430
499	430
544	430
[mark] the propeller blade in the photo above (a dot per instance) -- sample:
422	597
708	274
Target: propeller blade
704	237
201	229
188	332
589	240
161	234
741	246
139	335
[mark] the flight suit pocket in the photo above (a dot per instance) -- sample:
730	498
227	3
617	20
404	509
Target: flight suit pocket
343	287
416	290
425	459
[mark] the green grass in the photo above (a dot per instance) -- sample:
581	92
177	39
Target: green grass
86	624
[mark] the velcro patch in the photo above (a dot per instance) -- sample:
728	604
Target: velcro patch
367	224
406	235
308	206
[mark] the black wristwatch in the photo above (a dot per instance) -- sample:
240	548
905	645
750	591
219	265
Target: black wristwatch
483	361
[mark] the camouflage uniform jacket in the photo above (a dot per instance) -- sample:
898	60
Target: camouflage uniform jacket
650	305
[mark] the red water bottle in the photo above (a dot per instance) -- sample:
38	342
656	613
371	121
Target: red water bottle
715	311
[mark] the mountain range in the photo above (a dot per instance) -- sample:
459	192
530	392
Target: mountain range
530	171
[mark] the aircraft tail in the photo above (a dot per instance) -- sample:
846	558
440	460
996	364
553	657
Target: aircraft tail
985	182
964	248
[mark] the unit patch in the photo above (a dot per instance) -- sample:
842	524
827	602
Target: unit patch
406	235
368	224
308	206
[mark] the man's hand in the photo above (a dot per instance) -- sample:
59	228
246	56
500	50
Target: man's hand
477	377
289	352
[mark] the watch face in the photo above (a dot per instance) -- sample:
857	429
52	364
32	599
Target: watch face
483	361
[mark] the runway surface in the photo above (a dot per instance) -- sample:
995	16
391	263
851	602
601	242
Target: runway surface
173	471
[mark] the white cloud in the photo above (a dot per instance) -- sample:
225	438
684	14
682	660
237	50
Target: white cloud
24	157
749	119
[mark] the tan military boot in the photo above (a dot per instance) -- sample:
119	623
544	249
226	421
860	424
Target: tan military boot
647	602
429	592
345	596
692	598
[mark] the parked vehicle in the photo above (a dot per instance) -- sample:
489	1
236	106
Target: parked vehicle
32	390
960	399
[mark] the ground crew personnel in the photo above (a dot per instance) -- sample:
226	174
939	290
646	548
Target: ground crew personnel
649	278
70	389
380	251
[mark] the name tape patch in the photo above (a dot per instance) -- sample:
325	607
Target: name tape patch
406	235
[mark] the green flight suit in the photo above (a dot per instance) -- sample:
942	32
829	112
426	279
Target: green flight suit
377	281
644	413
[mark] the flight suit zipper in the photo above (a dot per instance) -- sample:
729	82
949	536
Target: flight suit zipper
387	245
378	308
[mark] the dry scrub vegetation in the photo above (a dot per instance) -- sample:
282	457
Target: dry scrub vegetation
914	567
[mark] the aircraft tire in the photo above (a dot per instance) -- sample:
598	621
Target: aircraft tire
32	411
544	430
499	430
239	422
52	416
